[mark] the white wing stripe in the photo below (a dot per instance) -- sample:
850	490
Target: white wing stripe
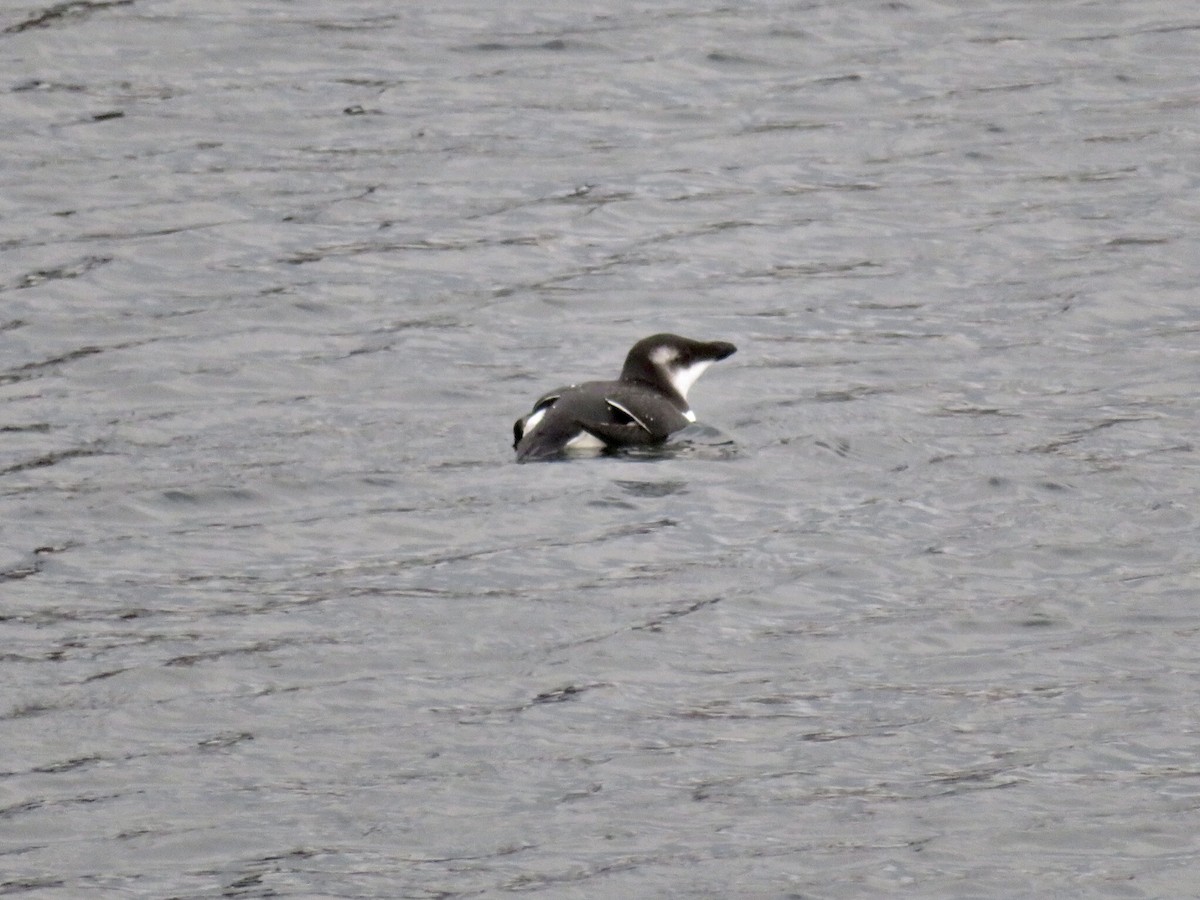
615	405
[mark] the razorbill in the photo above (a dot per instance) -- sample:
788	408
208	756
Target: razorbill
643	407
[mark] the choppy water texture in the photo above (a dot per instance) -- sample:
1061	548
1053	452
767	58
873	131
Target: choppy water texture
280	616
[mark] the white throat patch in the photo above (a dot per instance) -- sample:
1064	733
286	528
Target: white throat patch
683	379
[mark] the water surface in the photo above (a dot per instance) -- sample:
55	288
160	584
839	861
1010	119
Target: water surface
282	617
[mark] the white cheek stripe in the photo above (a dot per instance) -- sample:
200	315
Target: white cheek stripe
690	416
663	356
533	419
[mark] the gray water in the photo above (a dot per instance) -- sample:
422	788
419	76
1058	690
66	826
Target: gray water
281	617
